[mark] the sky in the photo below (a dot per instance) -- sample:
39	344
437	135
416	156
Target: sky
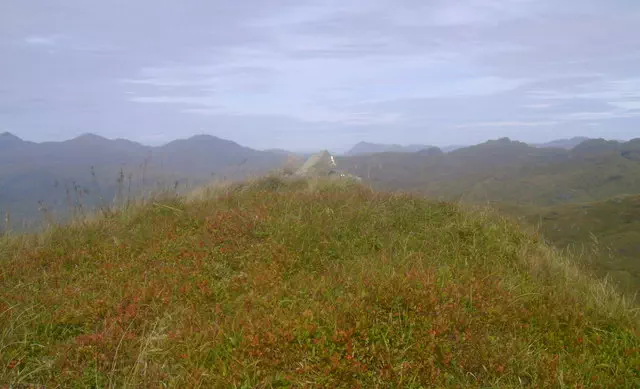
309	74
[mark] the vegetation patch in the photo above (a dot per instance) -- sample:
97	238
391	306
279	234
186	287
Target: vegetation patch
305	284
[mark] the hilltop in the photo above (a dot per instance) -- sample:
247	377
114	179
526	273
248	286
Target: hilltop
8	140
292	283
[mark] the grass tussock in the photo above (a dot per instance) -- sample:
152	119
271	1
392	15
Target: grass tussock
282	284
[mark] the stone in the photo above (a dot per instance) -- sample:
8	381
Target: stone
323	164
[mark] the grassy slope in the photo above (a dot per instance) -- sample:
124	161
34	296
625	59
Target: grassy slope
609	230
298	284
577	179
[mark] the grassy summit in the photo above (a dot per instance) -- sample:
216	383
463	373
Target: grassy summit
305	284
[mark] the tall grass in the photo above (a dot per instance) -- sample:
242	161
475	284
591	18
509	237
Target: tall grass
295	283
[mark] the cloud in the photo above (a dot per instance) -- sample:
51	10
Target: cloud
37	40
428	71
507	124
537	106
627	105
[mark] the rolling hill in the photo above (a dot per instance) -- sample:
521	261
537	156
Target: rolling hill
300	283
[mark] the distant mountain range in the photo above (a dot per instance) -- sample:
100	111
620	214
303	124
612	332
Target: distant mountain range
91	170
366	148
509	171
567	144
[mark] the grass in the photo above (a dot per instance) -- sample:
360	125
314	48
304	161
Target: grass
283	284
609	231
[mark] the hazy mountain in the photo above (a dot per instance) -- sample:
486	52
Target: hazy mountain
431	151
92	170
10	141
444	175
94	143
630	150
508	171
204	155
365	148
562	143
450	148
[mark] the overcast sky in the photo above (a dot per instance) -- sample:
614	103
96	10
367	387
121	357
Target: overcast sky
305	74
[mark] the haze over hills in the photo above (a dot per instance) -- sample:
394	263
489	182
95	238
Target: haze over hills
8	140
93	170
54	175
563	143
365	148
509	171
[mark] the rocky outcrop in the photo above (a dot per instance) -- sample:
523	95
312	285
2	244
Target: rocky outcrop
323	164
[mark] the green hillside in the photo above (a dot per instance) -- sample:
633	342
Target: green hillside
305	284
593	171
505	171
448	176
609	231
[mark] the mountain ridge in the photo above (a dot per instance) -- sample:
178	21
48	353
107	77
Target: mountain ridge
568	143
54	173
365	148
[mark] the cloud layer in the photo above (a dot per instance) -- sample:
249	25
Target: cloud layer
321	73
